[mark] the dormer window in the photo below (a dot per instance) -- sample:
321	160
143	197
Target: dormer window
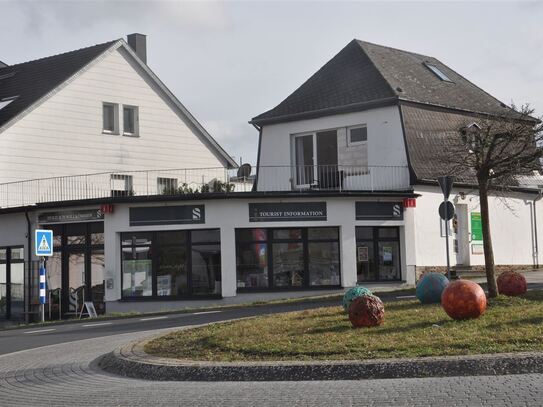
6	101
437	72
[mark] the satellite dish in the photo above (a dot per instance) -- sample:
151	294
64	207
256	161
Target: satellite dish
244	171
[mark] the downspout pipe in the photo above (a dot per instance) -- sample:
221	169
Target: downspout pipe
29	267
536	244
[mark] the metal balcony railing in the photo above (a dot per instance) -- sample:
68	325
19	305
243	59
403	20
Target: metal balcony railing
203	180
122	183
333	177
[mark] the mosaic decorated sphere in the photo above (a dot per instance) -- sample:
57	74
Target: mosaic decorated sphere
463	299
430	287
512	283
353	293
366	311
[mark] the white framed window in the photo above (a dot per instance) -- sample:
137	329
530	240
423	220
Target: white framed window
166	185
110	118
130	120
357	135
121	185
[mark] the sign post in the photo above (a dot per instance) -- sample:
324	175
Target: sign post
446	213
44	248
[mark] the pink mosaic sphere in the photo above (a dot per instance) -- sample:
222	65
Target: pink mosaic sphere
366	311
512	283
463	299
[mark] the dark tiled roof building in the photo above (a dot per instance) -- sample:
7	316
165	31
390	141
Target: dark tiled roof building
434	100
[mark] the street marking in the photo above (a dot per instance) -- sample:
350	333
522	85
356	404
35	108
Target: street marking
205	312
41	330
98	324
406	296
152	319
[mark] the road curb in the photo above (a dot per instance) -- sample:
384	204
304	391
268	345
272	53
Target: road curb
131	361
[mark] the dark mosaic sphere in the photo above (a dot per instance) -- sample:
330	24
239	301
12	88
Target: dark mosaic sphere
353	293
367	311
463	299
512	283
430	287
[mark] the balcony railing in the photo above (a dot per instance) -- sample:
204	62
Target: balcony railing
202	180
333	177
122	183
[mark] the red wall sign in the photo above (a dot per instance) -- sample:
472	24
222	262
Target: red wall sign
106	208
410	203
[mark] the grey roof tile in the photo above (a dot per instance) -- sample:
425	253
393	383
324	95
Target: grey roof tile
362	73
30	81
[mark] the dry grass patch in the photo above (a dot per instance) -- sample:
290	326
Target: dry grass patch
410	330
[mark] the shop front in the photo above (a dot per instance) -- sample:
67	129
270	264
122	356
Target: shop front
12	268
75	272
378	256
158	255
171	265
288	258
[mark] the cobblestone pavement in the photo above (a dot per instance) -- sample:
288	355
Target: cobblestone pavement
61	375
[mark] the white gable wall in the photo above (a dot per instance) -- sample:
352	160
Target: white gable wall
63	136
385	145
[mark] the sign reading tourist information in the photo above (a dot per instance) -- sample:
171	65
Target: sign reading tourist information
44	243
379	211
167	215
287	211
84	215
476	226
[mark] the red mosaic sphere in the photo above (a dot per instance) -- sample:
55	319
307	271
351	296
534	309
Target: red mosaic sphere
463	299
512	283
366	311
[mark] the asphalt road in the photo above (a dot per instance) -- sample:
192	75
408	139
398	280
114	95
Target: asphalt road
54	366
13	340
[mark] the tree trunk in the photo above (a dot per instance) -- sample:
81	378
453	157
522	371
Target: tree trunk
487	240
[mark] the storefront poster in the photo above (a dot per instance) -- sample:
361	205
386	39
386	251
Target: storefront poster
476	226
387	254
163	285
363	254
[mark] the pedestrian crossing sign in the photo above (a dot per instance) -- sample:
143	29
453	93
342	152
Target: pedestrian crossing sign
44	242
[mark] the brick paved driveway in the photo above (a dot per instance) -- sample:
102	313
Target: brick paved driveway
60	375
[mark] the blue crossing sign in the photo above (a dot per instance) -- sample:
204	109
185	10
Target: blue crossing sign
44	242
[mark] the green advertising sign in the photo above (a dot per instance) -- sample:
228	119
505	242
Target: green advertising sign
476	226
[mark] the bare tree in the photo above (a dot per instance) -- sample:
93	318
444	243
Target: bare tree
496	152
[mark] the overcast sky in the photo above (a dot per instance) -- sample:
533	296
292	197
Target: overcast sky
230	61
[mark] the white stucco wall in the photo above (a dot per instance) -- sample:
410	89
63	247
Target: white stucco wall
13	230
510	222
63	136
385	145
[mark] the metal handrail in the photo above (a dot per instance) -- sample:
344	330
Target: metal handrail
186	181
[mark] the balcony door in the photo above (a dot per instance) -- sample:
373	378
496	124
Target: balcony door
316	159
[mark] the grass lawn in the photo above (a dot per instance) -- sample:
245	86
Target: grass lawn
410	330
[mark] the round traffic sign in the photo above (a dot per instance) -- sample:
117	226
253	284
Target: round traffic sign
446	214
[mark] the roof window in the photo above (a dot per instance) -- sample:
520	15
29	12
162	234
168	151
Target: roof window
6	101
437	72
